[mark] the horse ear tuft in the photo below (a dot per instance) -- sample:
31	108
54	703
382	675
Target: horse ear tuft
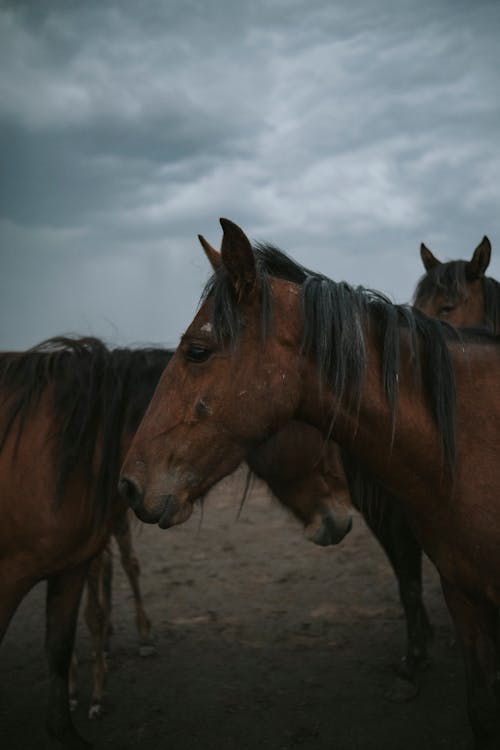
480	259
214	258
428	259
238	258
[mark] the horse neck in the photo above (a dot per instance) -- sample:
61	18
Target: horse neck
393	447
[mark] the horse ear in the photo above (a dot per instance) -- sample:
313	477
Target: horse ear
480	260
214	258
428	259
238	258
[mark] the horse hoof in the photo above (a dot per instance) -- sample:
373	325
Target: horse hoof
96	711
408	669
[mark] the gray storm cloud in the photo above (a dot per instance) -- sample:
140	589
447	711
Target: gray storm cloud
345	135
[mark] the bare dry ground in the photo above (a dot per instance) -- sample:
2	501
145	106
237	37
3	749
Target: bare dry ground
265	642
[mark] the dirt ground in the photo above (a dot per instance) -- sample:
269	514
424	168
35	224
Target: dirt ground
265	642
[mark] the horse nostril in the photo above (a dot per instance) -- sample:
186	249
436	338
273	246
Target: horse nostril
130	492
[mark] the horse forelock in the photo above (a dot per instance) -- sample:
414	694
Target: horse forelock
449	279
335	317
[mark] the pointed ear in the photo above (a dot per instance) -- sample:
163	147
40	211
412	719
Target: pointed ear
238	258
480	260
428	259
214	258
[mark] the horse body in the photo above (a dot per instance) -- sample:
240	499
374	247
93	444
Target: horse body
43	550
455	513
68	411
460	293
379	379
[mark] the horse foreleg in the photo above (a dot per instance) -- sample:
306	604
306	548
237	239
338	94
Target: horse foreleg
10	598
63	599
97	617
476	623
130	564
73	681
391	529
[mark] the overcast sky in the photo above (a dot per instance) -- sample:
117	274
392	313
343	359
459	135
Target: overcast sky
344	132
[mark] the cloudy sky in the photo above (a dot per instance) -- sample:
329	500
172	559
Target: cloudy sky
344	131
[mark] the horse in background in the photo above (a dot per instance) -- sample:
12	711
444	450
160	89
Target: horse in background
68	411
97	613
458	291
409	399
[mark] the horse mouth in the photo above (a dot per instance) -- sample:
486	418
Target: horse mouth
175	511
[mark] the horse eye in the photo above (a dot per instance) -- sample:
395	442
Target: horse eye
446	309
197	353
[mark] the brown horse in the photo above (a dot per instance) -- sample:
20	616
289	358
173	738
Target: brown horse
458	291
68	411
272	342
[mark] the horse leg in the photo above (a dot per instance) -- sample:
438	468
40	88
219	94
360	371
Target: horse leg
391	529
10	598
130	564
476	622
73	681
97	617
63	599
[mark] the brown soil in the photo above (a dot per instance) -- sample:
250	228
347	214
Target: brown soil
265	642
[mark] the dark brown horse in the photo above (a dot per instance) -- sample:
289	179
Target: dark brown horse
458	291
272	342
68	410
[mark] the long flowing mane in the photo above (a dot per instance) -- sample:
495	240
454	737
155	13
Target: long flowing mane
98	396
335	318
451	279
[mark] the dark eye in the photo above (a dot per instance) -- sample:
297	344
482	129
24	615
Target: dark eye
197	353
446	309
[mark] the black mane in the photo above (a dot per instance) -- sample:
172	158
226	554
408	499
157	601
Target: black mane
335	316
451	279
99	397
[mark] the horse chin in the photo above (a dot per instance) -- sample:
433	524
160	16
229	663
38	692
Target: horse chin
175	511
332	529
166	511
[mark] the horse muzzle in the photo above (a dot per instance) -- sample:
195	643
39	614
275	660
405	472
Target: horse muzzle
174	512
332	528
165	510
